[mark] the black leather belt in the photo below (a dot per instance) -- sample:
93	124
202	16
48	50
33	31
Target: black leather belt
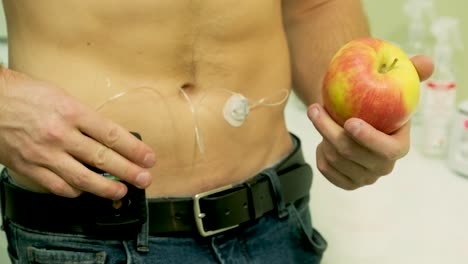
205	214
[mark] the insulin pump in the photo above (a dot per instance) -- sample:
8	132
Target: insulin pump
130	211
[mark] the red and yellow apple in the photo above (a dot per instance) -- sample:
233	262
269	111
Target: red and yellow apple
373	80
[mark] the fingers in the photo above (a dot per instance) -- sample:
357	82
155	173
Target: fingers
423	65
357	154
340	139
116	138
389	147
50	181
331	173
103	144
80	177
97	155
67	177
342	164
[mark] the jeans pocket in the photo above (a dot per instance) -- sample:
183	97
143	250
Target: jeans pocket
301	220
27	246
52	256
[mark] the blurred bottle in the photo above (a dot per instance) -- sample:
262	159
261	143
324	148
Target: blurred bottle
439	103
420	14
458	148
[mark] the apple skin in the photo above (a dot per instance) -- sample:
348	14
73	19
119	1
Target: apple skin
373	80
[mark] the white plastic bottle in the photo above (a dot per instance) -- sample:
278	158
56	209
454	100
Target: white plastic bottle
437	116
440	91
458	149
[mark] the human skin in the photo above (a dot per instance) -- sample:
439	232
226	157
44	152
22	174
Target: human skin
63	67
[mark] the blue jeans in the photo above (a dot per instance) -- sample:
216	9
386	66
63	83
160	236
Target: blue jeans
285	235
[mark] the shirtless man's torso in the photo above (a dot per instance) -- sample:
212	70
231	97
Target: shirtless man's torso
174	64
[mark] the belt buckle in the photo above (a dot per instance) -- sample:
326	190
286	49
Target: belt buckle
199	215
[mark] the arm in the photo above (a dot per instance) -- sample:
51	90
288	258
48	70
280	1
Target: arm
356	154
316	29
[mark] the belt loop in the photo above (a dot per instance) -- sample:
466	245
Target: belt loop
3	178
143	235
278	198
250	201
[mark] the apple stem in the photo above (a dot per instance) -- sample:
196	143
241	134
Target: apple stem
385	69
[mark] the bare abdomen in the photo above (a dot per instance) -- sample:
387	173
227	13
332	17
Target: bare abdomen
143	63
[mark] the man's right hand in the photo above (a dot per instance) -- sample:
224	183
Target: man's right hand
46	135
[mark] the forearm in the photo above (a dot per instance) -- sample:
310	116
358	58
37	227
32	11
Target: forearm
316	29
